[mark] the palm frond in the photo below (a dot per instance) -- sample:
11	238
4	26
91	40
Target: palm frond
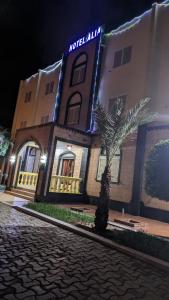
116	125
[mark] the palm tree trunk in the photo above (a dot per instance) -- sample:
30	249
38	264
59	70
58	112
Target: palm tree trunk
102	211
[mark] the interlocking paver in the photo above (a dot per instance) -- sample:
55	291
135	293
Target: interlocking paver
41	261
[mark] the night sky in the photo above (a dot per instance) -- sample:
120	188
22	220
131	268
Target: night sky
35	33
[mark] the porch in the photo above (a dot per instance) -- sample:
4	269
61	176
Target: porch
68	168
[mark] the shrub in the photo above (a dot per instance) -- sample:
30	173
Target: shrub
156	171
143	242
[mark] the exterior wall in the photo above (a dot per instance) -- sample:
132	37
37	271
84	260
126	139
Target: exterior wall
47	103
159	87
129	79
40	105
84	88
39	134
25	111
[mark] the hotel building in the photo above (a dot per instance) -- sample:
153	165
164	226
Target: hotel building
56	157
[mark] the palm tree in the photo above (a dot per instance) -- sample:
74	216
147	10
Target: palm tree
113	128
4	141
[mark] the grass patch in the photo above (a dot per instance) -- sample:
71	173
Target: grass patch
60	213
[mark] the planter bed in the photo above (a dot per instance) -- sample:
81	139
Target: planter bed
145	243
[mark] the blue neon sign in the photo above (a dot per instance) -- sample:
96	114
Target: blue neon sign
88	37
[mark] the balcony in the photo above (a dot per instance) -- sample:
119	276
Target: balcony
65	184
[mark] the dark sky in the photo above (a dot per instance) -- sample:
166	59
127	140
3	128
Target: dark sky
34	34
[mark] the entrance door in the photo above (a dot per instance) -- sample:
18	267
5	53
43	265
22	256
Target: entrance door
67	167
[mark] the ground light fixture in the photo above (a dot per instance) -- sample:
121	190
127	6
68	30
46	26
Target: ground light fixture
12	159
43	159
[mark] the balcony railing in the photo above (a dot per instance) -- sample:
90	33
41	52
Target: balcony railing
27	180
65	184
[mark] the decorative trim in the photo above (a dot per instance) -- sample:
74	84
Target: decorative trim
95	80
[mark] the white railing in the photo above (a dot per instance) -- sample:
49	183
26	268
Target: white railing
65	184
27	180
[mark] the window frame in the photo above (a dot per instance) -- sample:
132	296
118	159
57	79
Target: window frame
74	67
119	170
23	124
49	89
44	119
73	105
124	96
28	97
122	62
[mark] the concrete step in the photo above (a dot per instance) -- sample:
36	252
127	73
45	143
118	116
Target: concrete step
23	191
19	195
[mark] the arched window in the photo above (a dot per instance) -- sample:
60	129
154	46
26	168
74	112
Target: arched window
79	69
73	109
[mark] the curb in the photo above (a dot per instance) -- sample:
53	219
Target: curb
156	262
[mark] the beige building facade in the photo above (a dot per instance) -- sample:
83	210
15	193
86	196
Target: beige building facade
56	155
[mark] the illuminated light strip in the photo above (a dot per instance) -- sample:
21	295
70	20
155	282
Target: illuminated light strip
91	129
128	25
31	77
51	68
46	70
58	92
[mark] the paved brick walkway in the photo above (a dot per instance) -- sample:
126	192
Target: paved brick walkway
40	261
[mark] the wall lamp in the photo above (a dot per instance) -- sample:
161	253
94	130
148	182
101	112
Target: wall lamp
43	159
12	159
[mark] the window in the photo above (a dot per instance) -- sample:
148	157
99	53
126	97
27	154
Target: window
44	119
32	151
23	124
126	55
28	97
79	69
115	168
73	109
111	101
49	88
122	57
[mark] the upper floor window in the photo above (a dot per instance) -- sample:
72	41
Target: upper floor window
49	88
79	69
73	109
44	119
111	101
122	56
28	97
23	124
115	167
32	151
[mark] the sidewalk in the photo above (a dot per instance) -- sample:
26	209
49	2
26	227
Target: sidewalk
12	200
